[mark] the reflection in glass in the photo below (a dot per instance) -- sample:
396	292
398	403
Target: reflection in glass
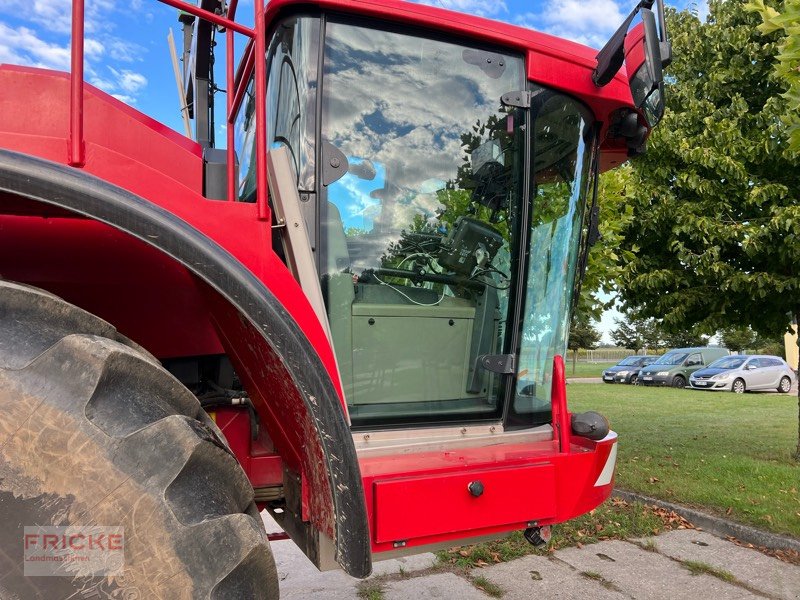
417	236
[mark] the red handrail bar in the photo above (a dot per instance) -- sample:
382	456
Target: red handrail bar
244	67
229	97
76	156
75	143
225	22
558	399
261	113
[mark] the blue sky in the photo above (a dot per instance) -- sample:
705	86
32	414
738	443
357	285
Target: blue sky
127	53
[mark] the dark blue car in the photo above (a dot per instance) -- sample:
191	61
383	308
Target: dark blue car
627	370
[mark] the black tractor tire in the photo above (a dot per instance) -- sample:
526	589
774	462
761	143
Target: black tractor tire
679	381
738	386
94	432
785	385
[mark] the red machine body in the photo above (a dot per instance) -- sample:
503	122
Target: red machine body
176	304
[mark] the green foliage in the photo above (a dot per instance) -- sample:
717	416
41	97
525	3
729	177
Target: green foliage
787	23
636	333
604	264
582	334
685	338
737	339
715	234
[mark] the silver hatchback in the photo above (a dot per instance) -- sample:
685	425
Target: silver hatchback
741	373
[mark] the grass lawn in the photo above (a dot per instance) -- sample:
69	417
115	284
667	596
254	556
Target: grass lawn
583	369
725	453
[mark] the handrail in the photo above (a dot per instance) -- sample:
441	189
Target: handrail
76	149
75	145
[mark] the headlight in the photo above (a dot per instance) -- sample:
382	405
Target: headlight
720	377
662	373
622	373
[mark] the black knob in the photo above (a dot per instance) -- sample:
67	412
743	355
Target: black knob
475	488
371	321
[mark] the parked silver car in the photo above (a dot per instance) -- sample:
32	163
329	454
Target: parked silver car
740	373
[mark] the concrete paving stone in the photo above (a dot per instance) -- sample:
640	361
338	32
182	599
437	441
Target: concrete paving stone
764	573
442	586
647	575
299	578
542	577
406	564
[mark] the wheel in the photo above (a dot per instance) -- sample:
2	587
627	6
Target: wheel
738	387
634	380
96	433
785	385
679	381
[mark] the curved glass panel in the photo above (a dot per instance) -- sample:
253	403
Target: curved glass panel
562	151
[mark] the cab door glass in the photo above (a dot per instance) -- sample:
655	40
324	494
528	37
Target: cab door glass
416	226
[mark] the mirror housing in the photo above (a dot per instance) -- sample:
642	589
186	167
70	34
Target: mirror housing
643	58
645	51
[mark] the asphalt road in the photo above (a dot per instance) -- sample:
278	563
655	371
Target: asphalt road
653	568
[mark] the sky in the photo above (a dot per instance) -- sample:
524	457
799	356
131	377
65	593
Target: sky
127	54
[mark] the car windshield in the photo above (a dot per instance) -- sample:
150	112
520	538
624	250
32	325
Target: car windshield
630	361
728	362
672	358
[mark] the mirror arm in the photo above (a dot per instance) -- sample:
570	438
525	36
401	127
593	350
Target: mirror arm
612	55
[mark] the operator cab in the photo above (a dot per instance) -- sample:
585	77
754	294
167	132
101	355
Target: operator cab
444	196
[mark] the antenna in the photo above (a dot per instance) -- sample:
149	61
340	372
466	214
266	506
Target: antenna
179	82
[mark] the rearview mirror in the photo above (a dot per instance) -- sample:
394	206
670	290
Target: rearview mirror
643	58
645	51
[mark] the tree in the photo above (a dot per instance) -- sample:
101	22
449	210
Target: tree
627	336
636	333
582	334
787	67
603	264
714	240
685	338
737	339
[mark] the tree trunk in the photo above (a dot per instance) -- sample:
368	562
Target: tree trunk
575	362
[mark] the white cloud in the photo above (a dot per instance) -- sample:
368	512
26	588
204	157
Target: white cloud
22	46
590	23
125	98
129	81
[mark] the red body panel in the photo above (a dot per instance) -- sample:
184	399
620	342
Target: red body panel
158	303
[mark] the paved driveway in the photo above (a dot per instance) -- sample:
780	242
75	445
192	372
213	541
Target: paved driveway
658	567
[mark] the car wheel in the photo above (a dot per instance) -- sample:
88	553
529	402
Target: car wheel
785	385
634	380
738	386
679	381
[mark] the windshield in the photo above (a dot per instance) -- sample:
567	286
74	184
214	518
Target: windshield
728	362
630	361
418	235
672	358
